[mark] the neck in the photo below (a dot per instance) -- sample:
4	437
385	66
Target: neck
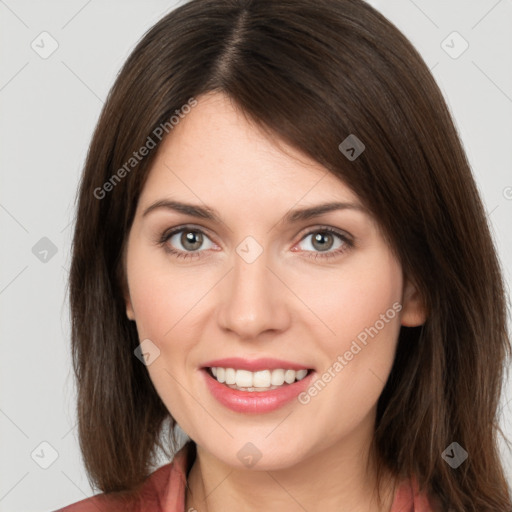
341	478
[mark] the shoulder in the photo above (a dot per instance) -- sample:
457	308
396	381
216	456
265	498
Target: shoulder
150	494
409	498
164	489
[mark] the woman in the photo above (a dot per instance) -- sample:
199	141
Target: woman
334	336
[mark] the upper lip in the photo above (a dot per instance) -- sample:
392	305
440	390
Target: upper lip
254	365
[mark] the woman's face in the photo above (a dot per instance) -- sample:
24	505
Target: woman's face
260	281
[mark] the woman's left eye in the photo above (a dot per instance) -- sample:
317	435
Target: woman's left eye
191	239
324	239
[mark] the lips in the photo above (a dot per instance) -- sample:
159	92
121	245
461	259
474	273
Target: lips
256	402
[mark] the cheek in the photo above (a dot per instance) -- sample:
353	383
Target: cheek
354	297
163	301
161	296
361	306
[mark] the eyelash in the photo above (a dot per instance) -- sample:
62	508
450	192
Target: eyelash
348	243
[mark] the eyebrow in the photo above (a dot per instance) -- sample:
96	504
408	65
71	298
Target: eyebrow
292	216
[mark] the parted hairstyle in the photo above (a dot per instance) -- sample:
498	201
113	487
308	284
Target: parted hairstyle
309	73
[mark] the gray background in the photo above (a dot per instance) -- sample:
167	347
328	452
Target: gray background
49	107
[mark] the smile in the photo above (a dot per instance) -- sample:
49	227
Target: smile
258	395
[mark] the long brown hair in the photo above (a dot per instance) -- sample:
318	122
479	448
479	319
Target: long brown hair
310	74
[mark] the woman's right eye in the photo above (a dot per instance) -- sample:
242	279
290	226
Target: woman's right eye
191	239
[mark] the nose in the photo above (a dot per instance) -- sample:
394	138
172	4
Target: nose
254	299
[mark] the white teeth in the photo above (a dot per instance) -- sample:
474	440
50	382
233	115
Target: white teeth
261	379
300	374
243	378
289	376
277	377
230	376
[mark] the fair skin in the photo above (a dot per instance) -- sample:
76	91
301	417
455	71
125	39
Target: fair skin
290	303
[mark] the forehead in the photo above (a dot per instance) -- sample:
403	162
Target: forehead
216	154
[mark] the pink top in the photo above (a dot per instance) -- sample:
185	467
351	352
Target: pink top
164	491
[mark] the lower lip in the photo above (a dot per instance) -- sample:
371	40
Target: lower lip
255	401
